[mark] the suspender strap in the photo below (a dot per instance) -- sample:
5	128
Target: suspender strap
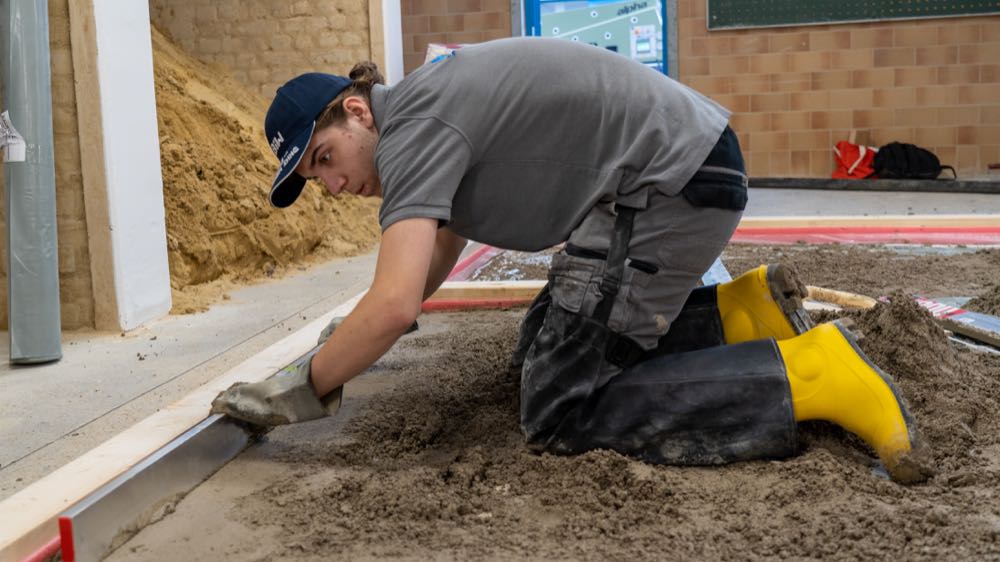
614	268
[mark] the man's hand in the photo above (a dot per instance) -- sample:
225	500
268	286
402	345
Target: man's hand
287	397
349	345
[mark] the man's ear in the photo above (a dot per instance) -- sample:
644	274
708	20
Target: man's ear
357	107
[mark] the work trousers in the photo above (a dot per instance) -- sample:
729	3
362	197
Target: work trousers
653	379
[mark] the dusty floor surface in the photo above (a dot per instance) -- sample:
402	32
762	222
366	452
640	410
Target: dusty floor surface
878	270
426	462
515	266
217	169
871	270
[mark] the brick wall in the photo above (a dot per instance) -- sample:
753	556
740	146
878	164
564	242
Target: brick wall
263	43
76	294
796	91
450	21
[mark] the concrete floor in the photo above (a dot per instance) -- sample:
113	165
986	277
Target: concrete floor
106	382
805	202
51	414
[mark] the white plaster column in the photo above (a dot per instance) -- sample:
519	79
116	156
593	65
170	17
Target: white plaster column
392	24
120	151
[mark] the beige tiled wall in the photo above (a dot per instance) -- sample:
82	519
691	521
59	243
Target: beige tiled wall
76	295
796	91
263	43
450	21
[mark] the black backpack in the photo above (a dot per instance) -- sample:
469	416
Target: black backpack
898	160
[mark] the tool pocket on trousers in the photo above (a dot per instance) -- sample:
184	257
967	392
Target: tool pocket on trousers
571	282
575	283
628	301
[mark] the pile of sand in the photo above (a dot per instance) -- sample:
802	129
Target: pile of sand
217	169
953	395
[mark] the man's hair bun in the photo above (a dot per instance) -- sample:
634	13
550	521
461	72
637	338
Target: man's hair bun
365	74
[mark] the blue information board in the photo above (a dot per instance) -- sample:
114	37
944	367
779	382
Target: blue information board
633	28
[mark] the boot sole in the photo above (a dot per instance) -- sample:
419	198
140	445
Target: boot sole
788	291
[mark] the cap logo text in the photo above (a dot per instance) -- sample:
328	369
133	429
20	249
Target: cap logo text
288	157
276	143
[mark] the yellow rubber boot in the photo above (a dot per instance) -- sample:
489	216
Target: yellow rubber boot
765	302
831	379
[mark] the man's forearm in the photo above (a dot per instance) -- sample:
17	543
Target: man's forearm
383	315
367	333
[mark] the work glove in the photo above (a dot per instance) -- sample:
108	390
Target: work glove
328	331
287	397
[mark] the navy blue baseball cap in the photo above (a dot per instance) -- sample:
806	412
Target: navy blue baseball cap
289	127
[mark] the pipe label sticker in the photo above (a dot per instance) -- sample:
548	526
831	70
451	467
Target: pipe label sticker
11	141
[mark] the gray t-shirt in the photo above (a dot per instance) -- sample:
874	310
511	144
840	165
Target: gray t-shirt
512	142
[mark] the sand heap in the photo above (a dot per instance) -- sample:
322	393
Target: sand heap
952	396
217	169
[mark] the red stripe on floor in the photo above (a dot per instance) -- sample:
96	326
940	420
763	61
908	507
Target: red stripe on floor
464	269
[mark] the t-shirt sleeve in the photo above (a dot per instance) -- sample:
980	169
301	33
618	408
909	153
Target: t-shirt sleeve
420	163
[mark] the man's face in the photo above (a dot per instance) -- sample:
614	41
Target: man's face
342	156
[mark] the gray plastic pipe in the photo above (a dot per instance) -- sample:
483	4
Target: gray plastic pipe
30	186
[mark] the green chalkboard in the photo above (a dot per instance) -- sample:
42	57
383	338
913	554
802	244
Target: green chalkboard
723	14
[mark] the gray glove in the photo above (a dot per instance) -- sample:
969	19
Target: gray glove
325	334
287	397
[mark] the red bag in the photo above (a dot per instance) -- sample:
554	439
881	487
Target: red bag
854	161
